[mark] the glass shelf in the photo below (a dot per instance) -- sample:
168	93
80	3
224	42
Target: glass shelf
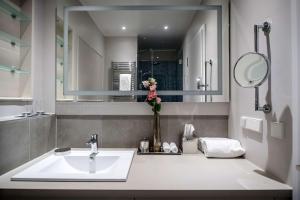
60	80
14	41
13	69
60	41
60	62
13	10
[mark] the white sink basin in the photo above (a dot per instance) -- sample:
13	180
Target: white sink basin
108	165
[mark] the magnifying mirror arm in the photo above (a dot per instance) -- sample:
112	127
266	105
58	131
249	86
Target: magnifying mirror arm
266	28
266	108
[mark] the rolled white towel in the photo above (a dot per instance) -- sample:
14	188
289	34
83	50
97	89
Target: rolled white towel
203	139
174	148
221	147
166	147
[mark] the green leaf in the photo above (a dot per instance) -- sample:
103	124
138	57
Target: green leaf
157	107
152	102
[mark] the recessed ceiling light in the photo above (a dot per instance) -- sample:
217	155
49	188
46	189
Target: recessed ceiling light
123	28
166	27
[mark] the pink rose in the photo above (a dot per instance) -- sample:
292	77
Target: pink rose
146	84
152	81
152	87
158	100
151	95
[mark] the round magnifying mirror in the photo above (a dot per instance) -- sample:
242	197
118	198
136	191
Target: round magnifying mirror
251	69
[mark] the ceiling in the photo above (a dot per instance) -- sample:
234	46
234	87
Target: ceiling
141	22
146	24
141	2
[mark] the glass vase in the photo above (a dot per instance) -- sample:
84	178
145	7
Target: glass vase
156	133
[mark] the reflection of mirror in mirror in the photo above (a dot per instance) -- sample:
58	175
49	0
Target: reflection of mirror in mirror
251	69
60	59
159	41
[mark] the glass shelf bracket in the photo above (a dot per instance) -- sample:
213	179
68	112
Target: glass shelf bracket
12	10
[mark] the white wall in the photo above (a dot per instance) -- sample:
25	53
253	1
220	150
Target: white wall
271	154
118	49
209	18
196	52
43	55
295	36
90	69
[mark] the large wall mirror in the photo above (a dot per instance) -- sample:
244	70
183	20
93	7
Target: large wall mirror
106	52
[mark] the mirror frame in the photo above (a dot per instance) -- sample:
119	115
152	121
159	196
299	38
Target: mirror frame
266	75
217	8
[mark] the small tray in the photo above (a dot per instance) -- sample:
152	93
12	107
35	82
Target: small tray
158	153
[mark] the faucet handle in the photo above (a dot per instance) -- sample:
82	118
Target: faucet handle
94	137
93	142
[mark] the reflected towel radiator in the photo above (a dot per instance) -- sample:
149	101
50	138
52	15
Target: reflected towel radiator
119	68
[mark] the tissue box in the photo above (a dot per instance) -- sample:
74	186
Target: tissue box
190	146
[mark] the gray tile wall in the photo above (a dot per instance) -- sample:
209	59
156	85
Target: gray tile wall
127	131
42	135
14	144
24	139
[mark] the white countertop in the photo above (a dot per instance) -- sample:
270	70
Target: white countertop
188	172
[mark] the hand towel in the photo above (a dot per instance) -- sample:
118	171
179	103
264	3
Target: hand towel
174	148
221	147
166	147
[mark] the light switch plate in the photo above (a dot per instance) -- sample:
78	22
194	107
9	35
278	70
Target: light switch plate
253	124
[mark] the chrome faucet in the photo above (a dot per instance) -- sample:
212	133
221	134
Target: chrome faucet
93	142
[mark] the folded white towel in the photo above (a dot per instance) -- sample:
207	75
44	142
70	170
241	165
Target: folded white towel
221	147
174	148
166	147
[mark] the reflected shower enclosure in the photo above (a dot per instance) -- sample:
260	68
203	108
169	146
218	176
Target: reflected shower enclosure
165	65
